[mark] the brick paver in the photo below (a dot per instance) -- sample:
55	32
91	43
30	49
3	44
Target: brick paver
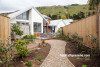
54	59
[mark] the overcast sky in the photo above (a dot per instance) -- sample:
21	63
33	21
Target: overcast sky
11	5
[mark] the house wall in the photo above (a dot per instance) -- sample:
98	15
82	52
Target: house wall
61	24
13	20
36	18
25	29
33	17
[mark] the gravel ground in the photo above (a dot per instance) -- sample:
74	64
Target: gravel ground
54	59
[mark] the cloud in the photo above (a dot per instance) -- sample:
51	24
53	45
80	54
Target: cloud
9	5
58	2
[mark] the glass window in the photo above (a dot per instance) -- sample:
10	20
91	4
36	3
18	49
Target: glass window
24	16
37	27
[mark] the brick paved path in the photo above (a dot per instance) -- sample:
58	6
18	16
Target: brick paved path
54	59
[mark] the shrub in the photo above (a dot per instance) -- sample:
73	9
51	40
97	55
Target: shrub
67	37
94	51
84	66
30	37
22	42
59	30
43	41
27	41
92	40
39	58
74	36
21	49
4	56
16	28
60	35
29	64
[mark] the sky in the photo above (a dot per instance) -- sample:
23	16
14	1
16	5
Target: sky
12	5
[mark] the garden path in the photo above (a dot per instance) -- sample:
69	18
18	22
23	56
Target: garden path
54	59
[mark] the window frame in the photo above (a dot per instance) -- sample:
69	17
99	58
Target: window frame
37	26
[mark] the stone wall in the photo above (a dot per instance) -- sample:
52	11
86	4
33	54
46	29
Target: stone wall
25	28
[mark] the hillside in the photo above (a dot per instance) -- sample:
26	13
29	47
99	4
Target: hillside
62	11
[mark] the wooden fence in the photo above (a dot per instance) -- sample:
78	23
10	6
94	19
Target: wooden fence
83	28
4	28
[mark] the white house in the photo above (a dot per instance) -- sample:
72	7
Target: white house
55	25
68	21
30	19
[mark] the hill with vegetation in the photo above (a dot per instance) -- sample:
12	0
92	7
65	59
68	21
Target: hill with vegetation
73	11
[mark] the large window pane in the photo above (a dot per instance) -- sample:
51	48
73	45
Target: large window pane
37	27
24	16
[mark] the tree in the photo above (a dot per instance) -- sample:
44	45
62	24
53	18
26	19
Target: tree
49	15
16	28
95	4
54	17
89	13
59	17
93	12
63	17
68	16
76	17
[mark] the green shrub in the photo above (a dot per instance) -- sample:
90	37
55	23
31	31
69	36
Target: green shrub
87	59
16	28
39	58
61	36
30	36
67	37
27	41
84	66
43	41
22	42
94	51
29	64
4	57
74	36
21	48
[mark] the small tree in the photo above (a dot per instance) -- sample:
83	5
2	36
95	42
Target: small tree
16	28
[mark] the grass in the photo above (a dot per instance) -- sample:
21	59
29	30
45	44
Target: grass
29	64
76	9
63	10
39	58
87	59
58	10
78	58
84	66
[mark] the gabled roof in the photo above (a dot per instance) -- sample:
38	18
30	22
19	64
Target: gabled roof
14	14
46	17
6	13
40	14
55	22
68	21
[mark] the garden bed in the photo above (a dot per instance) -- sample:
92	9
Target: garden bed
81	61
40	54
